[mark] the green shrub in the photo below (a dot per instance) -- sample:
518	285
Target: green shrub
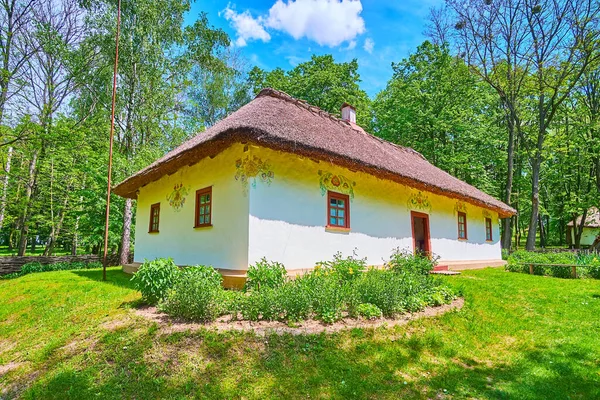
438	295
35	267
265	274
328	297
296	300
197	295
32	267
369	311
382	288
409	263
592	263
346	269
154	278
519	262
332	290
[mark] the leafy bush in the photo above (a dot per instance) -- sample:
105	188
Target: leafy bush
409	263
592	261
346	269
265	274
296	300
343	286
382	288
35	267
519	262
154	278
369	311
197	295
438	295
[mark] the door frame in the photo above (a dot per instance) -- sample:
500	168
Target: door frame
413	215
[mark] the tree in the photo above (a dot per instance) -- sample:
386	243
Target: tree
156	56
321	82
491	36
436	106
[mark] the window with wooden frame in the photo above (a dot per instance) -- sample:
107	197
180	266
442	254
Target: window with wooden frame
338	210
203	208
462	225
488	229
154	218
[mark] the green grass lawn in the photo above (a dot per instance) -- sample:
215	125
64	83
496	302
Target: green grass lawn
70	335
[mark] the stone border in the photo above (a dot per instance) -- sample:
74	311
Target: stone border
264	328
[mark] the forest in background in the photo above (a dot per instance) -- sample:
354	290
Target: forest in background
504	95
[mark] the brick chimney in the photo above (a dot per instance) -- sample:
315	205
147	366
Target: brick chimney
348	113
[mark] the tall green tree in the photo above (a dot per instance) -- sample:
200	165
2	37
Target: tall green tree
322	82
436	106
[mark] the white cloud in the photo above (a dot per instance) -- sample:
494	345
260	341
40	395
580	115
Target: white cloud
327	22
351	45
247	27
369	45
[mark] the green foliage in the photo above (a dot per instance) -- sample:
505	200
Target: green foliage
265	274
593	263
154	278
346	269
369	311
519	262
331	291
322	82
197	295
434	104
34	267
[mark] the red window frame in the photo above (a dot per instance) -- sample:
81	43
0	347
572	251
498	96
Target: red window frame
462	233
488	230
154	223
206	205
333	210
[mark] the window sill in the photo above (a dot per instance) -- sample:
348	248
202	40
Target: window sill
489	241
153	232
337	229
463	239
203	226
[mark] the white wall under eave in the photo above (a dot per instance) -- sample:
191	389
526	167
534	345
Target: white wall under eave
288	217
225	244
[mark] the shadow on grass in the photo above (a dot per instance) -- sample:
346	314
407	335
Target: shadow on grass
313	366
114	276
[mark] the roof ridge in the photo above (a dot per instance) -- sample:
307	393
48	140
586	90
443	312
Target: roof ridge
279	94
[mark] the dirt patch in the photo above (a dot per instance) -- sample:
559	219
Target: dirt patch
262	328
6	368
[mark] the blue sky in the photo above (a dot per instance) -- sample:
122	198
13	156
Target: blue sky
283	33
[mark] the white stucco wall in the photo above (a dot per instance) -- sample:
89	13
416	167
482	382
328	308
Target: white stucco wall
284	220
225	244
288	218
588	236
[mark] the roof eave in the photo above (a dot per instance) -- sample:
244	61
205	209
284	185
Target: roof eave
129	188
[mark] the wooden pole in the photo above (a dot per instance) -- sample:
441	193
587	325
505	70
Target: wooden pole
111	140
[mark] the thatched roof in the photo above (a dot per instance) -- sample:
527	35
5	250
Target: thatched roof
592	219
278	121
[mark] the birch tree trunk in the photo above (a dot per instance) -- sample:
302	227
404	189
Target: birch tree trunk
126	237
26	210
5	186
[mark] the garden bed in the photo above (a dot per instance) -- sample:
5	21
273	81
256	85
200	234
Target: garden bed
344	291
169	324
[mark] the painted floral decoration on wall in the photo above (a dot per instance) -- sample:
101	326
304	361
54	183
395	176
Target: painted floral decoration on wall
337	183
460	206
176	198
419	201
249	169
486	214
